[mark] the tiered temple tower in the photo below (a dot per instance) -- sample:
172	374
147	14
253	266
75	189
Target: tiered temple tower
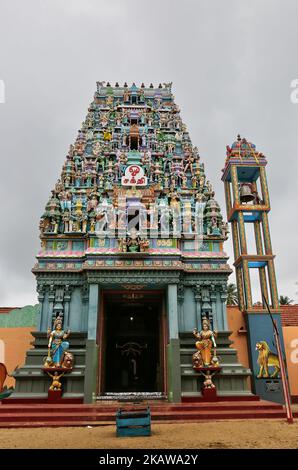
132	255
247	202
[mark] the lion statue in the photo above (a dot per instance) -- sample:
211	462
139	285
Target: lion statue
267	359
67	361
197	360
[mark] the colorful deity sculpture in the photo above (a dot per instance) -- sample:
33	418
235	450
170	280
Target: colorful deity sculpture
206	346
65	199
93	202
57	344
133	242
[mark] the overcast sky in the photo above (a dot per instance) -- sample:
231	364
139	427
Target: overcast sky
231	64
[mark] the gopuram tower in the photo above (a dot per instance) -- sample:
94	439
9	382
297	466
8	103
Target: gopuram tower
131	257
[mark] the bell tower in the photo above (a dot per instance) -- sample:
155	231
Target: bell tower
248	205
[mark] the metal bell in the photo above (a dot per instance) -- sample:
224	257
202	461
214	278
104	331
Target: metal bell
245	193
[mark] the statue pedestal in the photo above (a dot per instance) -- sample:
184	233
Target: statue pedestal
54	396
209	392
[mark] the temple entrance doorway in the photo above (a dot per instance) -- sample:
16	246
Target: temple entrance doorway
133	354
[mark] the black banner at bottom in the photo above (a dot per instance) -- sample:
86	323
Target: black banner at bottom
136	458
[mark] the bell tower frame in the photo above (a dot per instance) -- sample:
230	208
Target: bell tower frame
247	202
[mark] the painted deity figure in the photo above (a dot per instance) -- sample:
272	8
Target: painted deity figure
67	180
179	136
144	140
118	119
122	162
164	217
133	241
93	202
107	135
65	199
92	225
189	161
96	148
78	179
78	207
184	182
146	160
122	245
175	211
104	120
69	165
66	220
56	384
121	213
57	344
166	181
54	226
202	182
194	182
208	379
100	181
110	101
126	96
141	95
209	187
102	214
214	226
204	357
142	117
58	186
144	244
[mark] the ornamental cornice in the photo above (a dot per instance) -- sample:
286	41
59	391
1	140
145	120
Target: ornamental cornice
59	279
133	277
205	280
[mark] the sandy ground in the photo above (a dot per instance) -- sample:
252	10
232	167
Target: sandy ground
252	434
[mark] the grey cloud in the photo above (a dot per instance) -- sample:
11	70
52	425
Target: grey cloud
231	64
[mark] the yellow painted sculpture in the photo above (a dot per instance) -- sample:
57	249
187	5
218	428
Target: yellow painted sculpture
107	135
206	346
267	359
56	384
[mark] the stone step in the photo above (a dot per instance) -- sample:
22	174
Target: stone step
68	419
179	408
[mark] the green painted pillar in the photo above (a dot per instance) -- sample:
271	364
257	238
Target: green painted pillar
41	315
91	371
93	311
91	363
173	311
173	347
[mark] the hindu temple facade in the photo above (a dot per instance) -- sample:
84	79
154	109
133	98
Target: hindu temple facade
132	256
